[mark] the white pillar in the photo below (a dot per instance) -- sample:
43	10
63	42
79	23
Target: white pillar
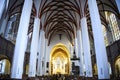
2	6
76	47
34	48
41	51
80	52
86	47
20	47
118	4
71	50
71	54
101	56
45	56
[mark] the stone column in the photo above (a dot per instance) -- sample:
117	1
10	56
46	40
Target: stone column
21	41
80	52
41	51
34	48
100	50
71	56
2	6
118	4
86	48
76	46
45	56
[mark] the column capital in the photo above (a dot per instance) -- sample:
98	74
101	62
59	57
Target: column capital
83	17
78	28
37	17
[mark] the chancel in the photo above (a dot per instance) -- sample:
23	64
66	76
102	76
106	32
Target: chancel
60	39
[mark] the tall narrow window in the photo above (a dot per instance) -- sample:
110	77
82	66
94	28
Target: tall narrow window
105	35
113	25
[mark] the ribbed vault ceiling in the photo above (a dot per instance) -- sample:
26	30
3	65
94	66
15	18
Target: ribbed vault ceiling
63	16
60	17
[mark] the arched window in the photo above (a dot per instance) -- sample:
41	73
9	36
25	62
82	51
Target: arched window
111	18
5	66
105	35
12	28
